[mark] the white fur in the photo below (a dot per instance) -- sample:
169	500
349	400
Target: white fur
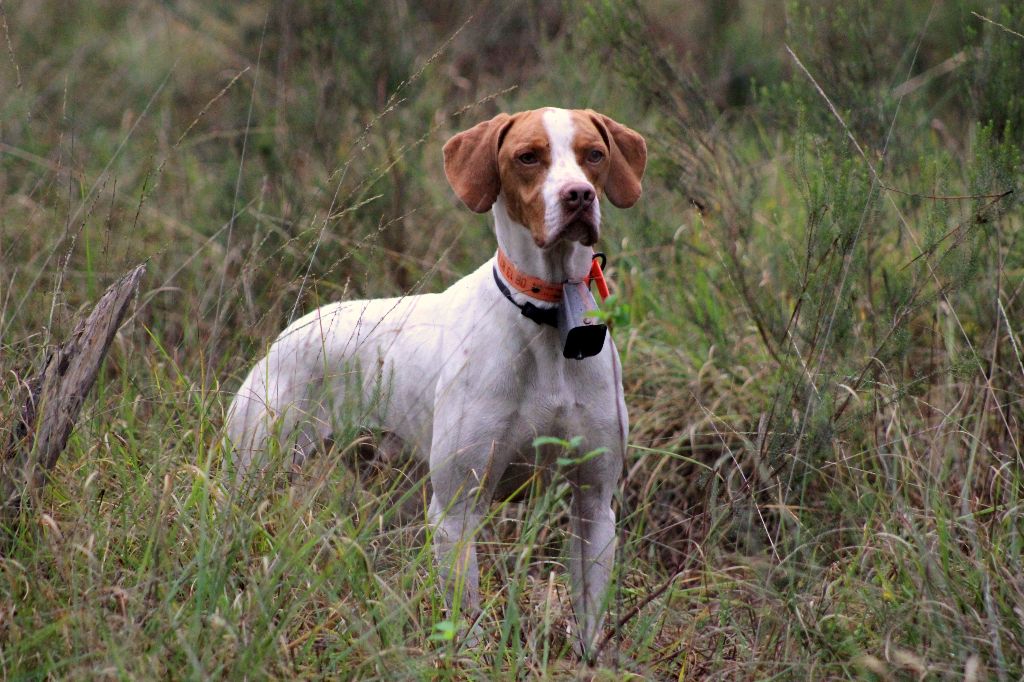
467	383
565	169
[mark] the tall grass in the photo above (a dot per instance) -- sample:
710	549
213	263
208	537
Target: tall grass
817	308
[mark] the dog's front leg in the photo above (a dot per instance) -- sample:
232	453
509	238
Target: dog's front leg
463	484
454	524
592	554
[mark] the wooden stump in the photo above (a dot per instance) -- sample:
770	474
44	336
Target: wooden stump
56	394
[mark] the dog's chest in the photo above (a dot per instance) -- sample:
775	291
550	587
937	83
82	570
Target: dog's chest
464	373
556	397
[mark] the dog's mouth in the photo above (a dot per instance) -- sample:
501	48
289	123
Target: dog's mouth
579	226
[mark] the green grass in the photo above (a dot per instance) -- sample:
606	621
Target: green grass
818	310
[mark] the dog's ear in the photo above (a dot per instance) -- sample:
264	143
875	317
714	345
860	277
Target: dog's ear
628	155
471	162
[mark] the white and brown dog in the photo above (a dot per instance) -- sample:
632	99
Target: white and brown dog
466	378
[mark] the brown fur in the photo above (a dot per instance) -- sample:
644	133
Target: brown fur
471	163
523	184
628	156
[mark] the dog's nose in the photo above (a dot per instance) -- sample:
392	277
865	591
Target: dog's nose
576	196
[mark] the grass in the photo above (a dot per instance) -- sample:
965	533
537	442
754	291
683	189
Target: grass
818	305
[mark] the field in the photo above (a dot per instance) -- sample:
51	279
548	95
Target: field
817	302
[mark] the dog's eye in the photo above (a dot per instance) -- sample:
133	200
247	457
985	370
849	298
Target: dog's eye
595	156
528	158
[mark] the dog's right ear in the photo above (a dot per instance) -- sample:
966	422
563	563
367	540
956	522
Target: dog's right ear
471	162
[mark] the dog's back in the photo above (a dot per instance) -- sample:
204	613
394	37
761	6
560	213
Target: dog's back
338	362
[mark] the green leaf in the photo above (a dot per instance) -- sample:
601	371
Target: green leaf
443	631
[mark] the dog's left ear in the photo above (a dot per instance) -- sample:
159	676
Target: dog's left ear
471	162
628	156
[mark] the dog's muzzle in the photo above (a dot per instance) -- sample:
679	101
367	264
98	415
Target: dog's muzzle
580	226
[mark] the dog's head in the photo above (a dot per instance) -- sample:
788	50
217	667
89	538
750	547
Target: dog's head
550	166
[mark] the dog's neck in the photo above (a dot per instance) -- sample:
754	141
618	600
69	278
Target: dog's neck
562	261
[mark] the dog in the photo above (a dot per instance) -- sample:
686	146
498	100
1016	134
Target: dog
467	379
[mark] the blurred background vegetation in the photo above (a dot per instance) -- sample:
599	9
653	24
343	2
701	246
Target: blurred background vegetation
818	305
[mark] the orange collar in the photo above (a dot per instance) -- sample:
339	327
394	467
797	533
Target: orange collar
542	290
534	287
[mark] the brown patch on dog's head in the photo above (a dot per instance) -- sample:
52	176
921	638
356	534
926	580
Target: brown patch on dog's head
523	163
627	159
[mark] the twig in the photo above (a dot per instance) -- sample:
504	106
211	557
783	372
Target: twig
996	23
977	220
55	399
940	69
640	606
10	45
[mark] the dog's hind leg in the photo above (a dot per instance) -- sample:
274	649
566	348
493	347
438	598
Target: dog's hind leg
271	409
